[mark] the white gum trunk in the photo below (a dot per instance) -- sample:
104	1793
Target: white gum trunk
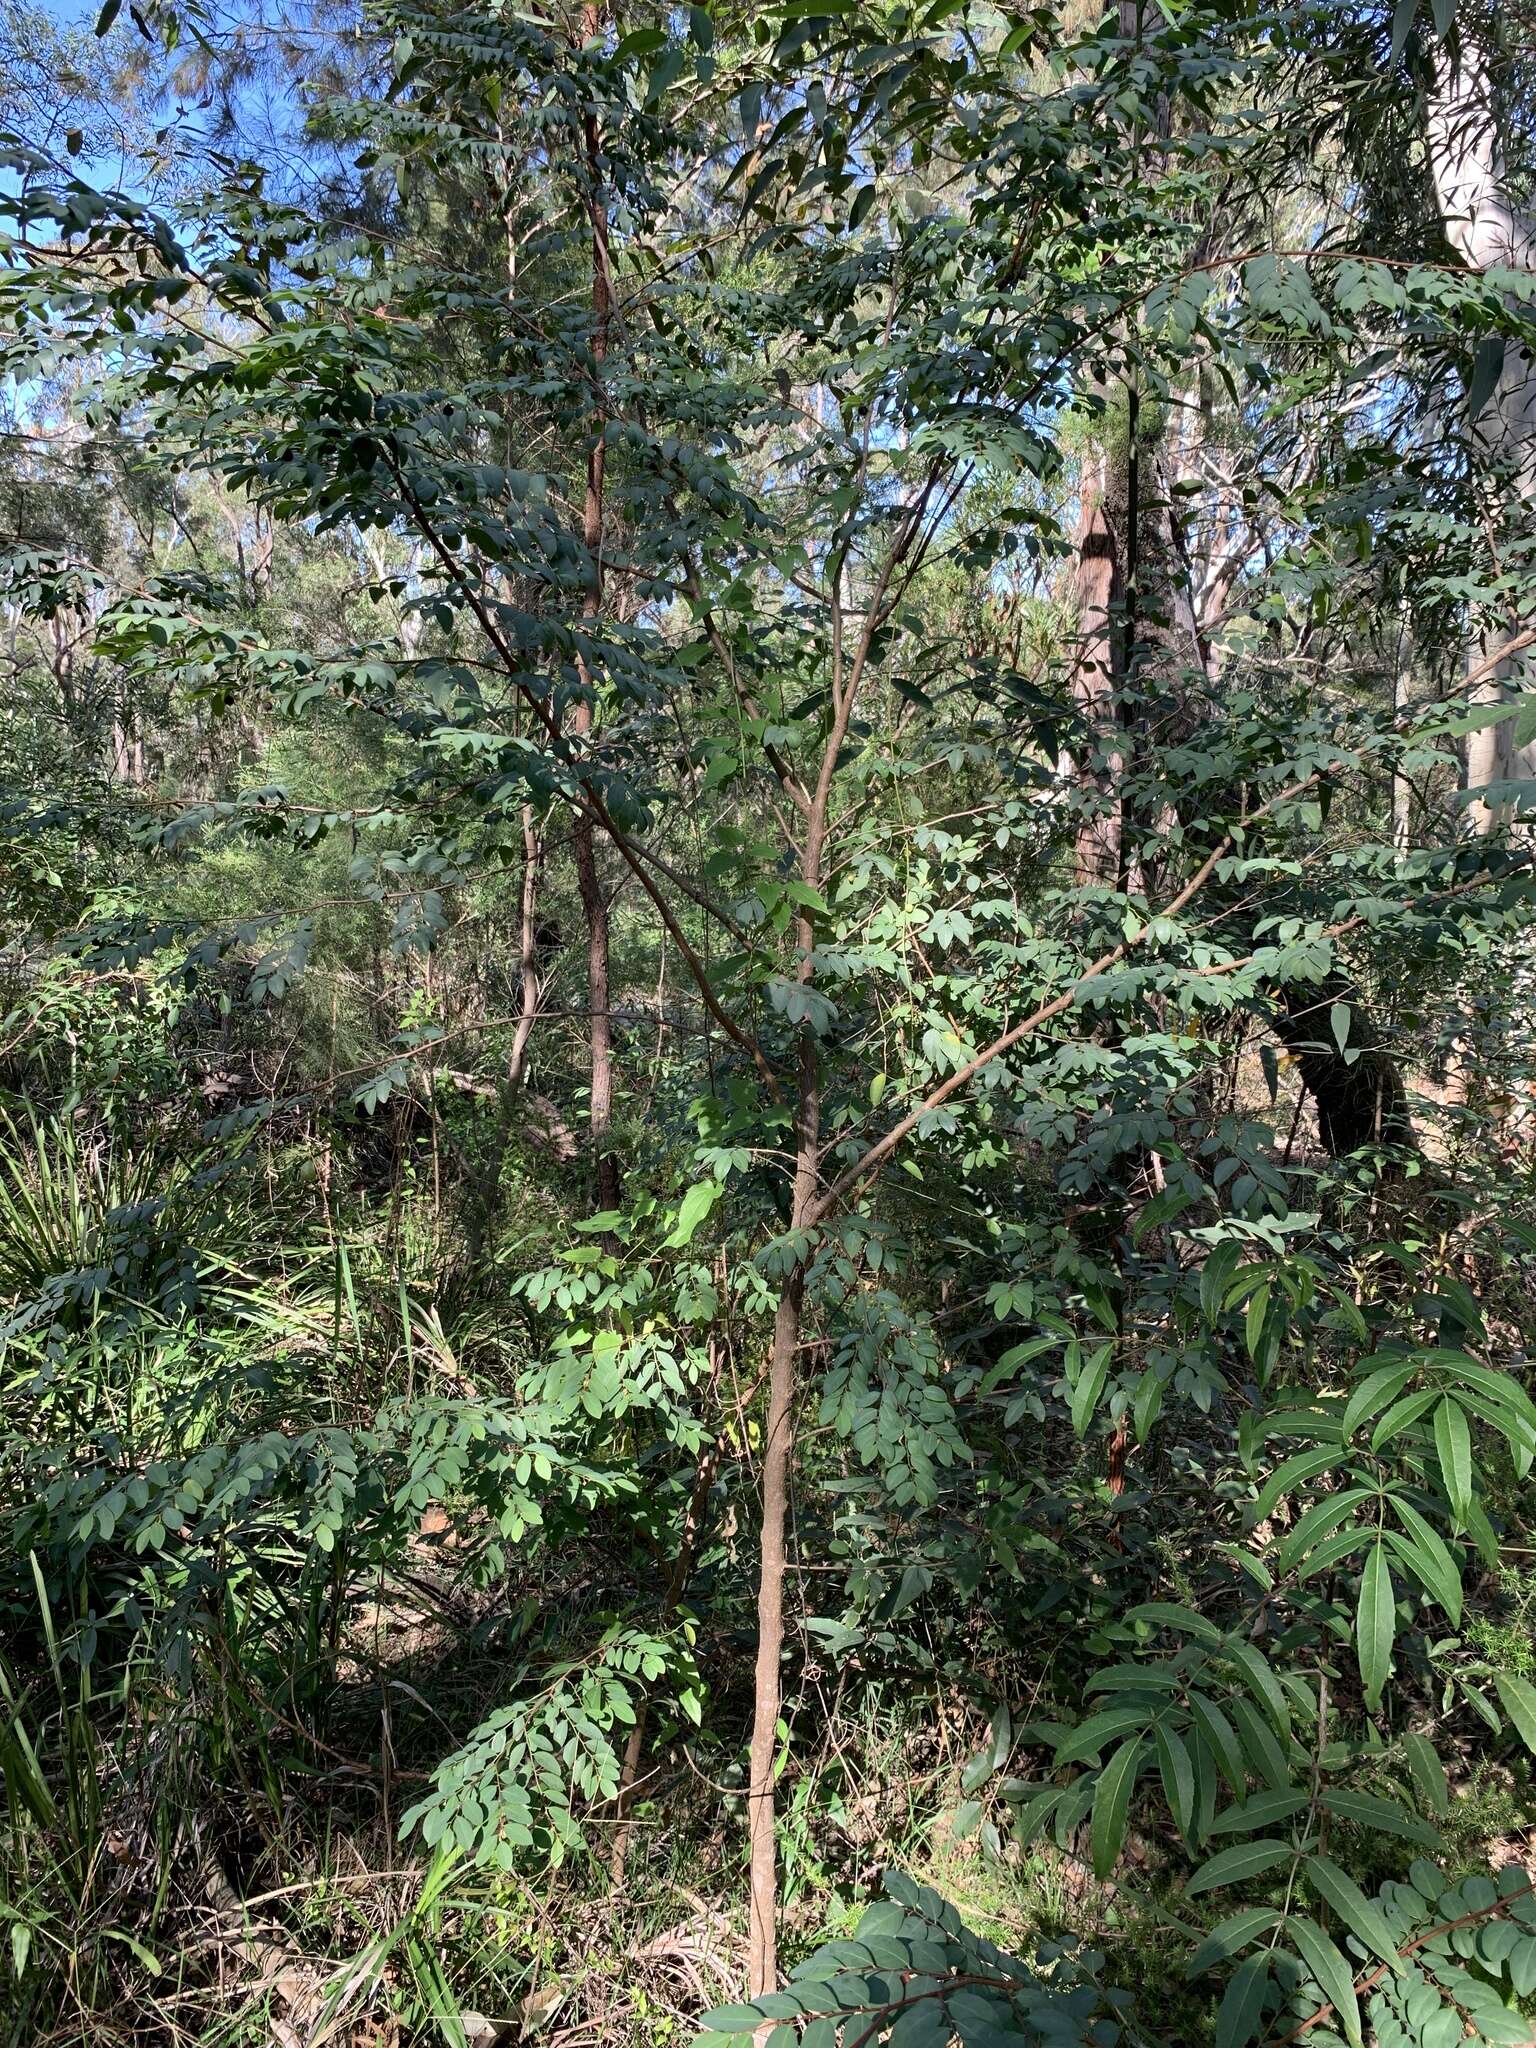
1486	228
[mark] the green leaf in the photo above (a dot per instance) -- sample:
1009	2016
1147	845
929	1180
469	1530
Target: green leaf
1232	1866
1262	1683
1362	1916
1499	1386
1215	1274
977	1771
1255	1317
1150	1678
1519	1701
1099	1730
1178	1776
1111	1806
1522	1967
1346	1312
1453	1447
1438	1568
1323	1516
1487	368
1219	1733
1260	1745
1089	1386
1292	1472
1379	1816
1241	2012
1373	1394
1402	27
141	1955
1332	1972
1000	1731
1165	1614
1030	1818
1333	1549
1230	1935
1428	1773
967	1818
108	15
1263	1810
1148	1399
1403	1415
1375	1625
696	1205
1162	1209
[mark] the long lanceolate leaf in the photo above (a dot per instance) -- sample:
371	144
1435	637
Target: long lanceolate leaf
1453	1447
1375	1624
1111	1804
1362	1916
1333	1973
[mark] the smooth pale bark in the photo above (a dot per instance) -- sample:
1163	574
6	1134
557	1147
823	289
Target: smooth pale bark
1482	223
1402	789
528	940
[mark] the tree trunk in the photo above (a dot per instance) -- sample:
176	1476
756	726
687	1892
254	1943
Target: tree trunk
778	1444
778	1440
1100	588
1483	224
527	972
594	903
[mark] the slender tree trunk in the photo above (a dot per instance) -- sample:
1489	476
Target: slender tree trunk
528	975
1100	586
1482	222
778	1441
1402	788
594	902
